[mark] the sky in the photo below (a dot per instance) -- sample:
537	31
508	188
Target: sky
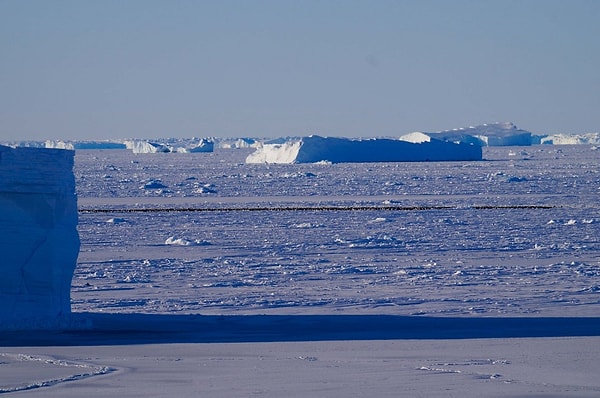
111	69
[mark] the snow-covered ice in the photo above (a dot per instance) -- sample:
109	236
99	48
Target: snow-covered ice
541	367
510	235
450	279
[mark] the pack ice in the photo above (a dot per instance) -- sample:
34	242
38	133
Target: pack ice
39	241
415	147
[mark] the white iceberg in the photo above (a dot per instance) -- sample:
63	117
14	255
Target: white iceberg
138	146
72	145
201	145
492	134
239	143
571	139
315	149
39	241
171	145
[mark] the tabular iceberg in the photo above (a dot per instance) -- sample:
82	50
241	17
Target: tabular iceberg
493	134
73	145
171	145
416	147
39	241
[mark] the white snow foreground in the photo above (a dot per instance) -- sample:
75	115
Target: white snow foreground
415	147
39	242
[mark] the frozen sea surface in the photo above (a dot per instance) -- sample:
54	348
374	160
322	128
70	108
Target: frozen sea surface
513	235
458	279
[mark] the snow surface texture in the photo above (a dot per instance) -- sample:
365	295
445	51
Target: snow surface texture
459	368
514	235
432	279
40	242
314	149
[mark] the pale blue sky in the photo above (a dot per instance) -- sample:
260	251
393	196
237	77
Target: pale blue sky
115	69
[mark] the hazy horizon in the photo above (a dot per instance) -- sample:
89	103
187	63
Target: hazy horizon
145	69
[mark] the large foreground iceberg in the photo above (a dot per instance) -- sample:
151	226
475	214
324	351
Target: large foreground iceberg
39	243
415	147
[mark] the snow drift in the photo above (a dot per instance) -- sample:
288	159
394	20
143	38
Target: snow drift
416	147
39	241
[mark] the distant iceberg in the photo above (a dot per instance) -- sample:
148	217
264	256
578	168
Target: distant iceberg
201	145
180	146
39	241
570	139
72	145
239	143
139	146
415	147
493	134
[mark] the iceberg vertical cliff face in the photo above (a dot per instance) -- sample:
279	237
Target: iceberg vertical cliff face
411	148
39	242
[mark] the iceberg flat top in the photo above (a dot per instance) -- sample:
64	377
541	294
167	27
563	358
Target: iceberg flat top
25	169
312	149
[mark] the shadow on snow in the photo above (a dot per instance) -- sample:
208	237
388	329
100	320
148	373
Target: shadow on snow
127	329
